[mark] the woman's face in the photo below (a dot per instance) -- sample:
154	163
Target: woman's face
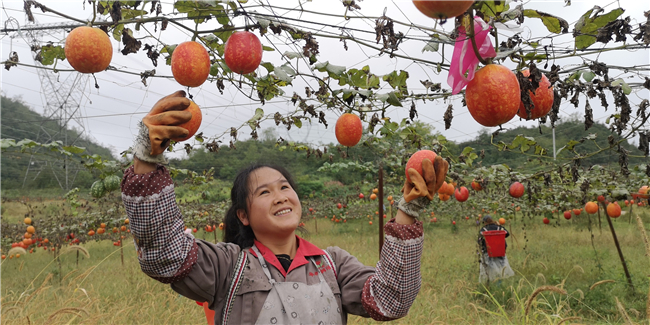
274	209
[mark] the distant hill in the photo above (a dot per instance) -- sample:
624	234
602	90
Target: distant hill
571	129
20	122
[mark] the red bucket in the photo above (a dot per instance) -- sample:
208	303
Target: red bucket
495	241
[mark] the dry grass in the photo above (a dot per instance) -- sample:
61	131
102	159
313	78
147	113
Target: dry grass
78	312
76	248
16	250
568	319
644	236
621	310
450	294
539	290
600	282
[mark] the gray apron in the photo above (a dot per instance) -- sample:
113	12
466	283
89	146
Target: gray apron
298	303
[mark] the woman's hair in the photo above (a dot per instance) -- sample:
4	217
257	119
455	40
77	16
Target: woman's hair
235	231
488	220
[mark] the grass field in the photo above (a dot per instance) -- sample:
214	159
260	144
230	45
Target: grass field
100	290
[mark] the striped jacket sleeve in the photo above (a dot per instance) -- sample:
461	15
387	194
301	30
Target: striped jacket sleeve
164	251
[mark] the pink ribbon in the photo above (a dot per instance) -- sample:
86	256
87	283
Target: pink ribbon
464	60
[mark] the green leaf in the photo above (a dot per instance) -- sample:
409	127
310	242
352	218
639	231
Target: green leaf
7	143
524	142
222	16
297	122
223	35
132	13
335	70
293	55
389	128
49	53
432	46
259	113
588	76
285	73
382	97
269	66
393	100
591	136
117	32
575	76
626	88
493	8
185	6
224	66
264	23
347	93
467	151
268	48
203	8
569	146
587	26
620	192
74	149
363	78
397	80
214	69
554	24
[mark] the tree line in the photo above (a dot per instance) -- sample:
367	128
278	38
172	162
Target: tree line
305	167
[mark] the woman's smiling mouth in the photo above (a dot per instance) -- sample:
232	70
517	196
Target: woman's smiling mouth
283	212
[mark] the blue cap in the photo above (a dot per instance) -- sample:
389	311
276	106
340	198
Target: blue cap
486	218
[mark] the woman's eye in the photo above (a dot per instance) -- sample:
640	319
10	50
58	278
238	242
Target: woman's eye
264	192
285	187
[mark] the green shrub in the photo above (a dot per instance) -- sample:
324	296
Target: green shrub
309	187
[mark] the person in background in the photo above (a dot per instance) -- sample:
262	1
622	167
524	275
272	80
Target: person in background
492	268
263	273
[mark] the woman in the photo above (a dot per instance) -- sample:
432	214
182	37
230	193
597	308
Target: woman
263	273
492	268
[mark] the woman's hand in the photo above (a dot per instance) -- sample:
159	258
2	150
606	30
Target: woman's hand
420	191
161	125
427	184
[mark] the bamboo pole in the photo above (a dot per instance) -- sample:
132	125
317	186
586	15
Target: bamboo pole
121	251
629	221
57	255
620	252
381	208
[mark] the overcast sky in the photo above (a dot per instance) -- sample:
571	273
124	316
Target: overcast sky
126	99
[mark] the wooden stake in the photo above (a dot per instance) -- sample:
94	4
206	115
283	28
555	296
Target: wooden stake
620	253
630	220
599	227
121	251
381	208
513	226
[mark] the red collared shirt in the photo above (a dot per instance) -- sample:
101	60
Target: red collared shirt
305	249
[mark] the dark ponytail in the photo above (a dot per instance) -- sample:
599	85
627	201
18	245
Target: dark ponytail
235	232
